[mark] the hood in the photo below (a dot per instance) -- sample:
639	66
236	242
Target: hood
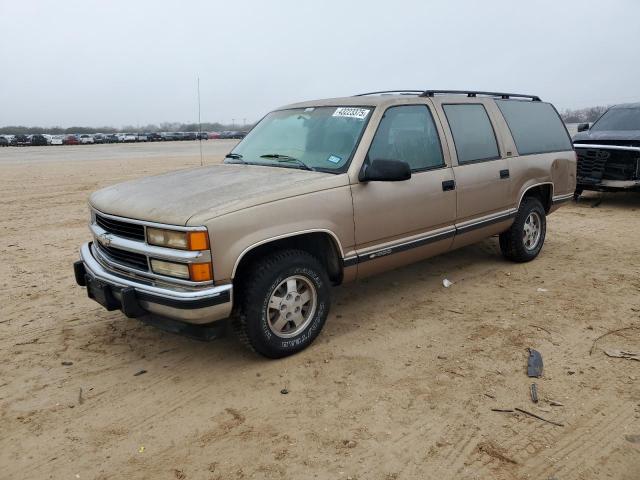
626	137
173	198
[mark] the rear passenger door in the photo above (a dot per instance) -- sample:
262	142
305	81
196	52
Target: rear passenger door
482	174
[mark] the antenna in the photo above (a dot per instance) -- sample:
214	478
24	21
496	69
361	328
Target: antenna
199	125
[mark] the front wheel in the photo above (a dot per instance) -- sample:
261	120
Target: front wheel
524	240
283	303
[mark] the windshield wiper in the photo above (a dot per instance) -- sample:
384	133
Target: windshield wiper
235	156
287	158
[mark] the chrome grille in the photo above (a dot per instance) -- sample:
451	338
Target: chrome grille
120	228
124	257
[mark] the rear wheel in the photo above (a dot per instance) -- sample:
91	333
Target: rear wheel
524	240
283	303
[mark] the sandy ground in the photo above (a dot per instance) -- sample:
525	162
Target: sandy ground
400	384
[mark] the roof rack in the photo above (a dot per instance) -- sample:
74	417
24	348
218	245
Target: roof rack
474	93
401	92
468	93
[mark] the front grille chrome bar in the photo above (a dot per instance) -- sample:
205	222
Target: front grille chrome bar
169	254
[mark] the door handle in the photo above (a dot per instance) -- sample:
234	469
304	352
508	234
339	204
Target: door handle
504	173
448	185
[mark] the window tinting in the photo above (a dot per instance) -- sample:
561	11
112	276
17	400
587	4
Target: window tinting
619	118
407	133
472	132
535	127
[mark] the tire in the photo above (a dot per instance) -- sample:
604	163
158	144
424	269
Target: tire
523	241
276	288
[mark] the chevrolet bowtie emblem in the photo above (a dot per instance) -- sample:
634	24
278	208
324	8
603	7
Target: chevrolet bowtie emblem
104	239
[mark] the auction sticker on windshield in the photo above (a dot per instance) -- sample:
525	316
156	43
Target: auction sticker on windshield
351	112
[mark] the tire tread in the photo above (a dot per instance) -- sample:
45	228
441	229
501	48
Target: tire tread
255	275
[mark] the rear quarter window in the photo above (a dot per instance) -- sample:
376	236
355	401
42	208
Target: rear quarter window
535	127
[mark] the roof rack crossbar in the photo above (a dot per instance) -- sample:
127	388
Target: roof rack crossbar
401	92
474	93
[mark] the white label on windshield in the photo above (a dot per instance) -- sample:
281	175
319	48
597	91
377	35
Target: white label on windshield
350	112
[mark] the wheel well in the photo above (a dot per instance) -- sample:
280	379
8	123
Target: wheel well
319	244
542	193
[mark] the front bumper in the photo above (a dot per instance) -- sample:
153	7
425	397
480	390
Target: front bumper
137	298
608	185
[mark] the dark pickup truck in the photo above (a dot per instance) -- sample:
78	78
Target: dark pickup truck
609	152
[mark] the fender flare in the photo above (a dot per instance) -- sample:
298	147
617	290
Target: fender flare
335	238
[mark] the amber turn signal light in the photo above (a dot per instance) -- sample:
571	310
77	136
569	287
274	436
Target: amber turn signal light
197	241
200	272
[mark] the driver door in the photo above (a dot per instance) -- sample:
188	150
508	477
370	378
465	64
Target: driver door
397	223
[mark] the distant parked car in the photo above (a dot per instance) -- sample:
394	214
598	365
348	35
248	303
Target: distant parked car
86	139
213	135
170	136
110	138
189	135
71	140
232	134
4	142
203	136
130	137
57	140
142	137
154	137
98	138
38	140
20	141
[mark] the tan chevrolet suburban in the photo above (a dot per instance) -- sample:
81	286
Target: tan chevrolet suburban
321	193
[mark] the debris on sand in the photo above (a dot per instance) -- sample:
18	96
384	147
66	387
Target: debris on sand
284	391
539	417
139	372
632	438
66	363
446	283
622	354
534	365
495	452
593	345
534	393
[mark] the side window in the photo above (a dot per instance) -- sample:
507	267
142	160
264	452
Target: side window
535	127
472	132
408	133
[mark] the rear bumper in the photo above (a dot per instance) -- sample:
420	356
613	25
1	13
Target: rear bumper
137	298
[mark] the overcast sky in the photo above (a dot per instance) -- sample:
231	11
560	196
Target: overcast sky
131	62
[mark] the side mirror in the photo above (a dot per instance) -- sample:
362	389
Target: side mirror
385	171
583	126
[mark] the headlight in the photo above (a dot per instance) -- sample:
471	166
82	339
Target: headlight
196	272
175	239
179	270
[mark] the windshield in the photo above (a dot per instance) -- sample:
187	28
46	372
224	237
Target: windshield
315	138
619	119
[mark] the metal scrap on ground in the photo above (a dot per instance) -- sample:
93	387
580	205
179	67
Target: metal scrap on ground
534	365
